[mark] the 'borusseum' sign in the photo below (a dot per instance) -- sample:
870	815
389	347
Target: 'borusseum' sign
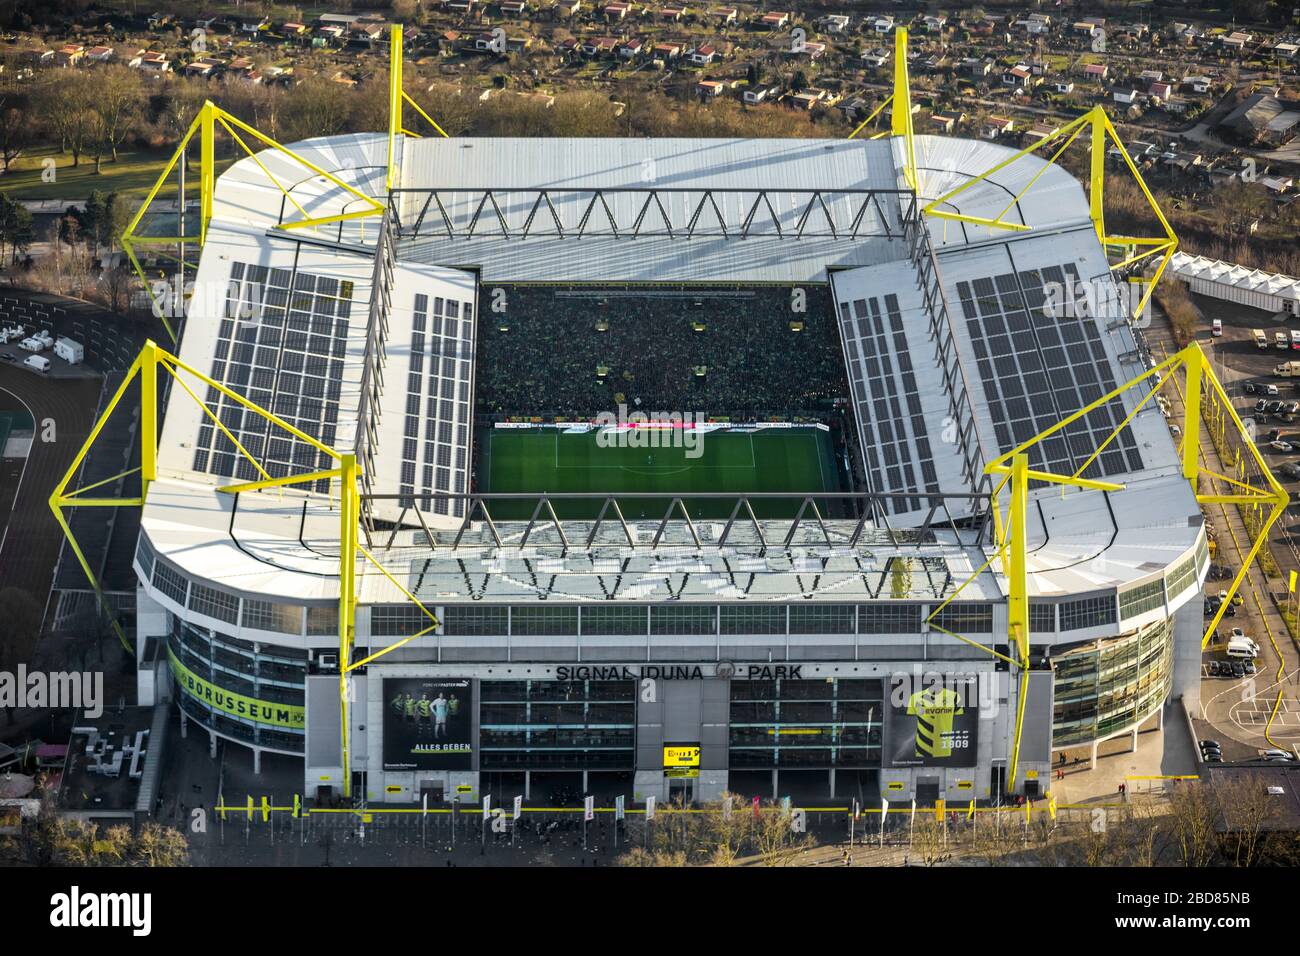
249	708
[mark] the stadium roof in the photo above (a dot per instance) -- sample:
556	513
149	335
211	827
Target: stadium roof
1014	365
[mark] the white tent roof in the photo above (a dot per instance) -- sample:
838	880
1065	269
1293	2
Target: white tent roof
1229	273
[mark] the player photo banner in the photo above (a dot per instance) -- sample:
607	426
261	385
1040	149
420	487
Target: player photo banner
428	723
932	720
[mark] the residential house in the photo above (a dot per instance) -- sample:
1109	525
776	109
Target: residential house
1263	119
833	23
726	16
882	24
934	23
701	56
630	49
329	33
665	53
254	24
1197	84
672	14
1160	91
565	9
1017	78
202	68
774	21
808	98
69	55
514	8
159	21
293	29
753	95
155	63
1124	96
1151	76
1084	29
367	34
945	122
708	89
99	54
1277	184
1096	71
1038	132
599	46
998	126
1286	51
461	7
1235	41
976	67
617	10
874	58
1062	86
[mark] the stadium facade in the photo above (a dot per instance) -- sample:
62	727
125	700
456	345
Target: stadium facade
678	655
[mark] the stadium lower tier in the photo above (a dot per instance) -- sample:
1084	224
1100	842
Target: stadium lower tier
898	727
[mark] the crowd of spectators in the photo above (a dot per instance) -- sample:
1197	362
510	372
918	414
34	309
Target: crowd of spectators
539	353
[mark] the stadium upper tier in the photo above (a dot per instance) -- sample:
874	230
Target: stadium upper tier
951	362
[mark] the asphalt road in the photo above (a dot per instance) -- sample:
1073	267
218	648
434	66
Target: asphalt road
31	545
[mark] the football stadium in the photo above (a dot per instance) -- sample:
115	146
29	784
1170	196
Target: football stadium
663	467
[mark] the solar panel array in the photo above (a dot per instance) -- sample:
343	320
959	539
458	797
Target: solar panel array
888	404
281	343
435	444
1041	365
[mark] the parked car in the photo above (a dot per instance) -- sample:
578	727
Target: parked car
1237	669
1214	757
1276	755
1213	668
1251	388
1212	744
1249	667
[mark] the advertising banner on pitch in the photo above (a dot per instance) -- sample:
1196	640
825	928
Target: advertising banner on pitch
428	723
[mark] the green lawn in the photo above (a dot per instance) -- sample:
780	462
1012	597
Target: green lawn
133	175
547	460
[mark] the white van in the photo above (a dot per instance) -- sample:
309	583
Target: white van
1243	647
38	362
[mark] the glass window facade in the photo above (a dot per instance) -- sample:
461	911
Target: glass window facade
267	616
1110	685
752	618
683	619
475	621
213	603
398	620
834	722
170	582
557	725
966	618
891	618
275	675
812	618
614	620
1182	576
530	621
1143	598
1097	611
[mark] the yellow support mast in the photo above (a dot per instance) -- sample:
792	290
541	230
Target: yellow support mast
901	115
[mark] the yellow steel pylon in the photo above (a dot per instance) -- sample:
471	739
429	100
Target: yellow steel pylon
1013	468
204	126
347	471
397	100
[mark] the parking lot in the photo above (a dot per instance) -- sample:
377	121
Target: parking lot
1246	713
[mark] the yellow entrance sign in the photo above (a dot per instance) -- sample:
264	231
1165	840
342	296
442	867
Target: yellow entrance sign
681	755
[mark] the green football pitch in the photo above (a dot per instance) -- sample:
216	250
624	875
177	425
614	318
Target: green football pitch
548	460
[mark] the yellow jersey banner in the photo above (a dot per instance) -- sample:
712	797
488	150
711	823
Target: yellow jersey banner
249	708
